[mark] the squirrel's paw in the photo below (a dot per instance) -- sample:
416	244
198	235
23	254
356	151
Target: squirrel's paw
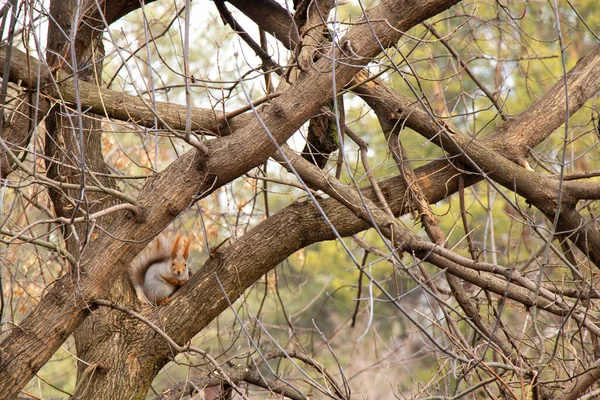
163	301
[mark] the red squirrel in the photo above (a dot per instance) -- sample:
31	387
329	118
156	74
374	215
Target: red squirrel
161	268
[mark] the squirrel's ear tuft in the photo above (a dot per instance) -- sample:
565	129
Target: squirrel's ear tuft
175	248
186	248
158	245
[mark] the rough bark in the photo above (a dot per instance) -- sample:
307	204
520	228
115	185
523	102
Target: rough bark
18	126
78	143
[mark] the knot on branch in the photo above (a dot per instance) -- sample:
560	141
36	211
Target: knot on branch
139	214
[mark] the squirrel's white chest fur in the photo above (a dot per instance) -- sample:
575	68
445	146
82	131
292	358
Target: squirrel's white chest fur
155	287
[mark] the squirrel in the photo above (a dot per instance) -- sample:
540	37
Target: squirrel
160	269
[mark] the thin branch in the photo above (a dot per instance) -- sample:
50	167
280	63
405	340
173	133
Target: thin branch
468	69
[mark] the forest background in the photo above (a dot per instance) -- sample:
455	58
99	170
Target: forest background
467	270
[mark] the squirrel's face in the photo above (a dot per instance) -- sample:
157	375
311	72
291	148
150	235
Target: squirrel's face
178	266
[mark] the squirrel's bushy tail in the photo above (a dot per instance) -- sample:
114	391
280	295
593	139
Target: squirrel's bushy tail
159	249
